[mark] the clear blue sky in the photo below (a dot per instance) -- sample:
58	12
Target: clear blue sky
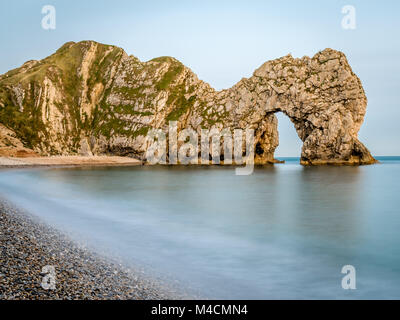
223	41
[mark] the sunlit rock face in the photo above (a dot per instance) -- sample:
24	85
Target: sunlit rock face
89	98
325	101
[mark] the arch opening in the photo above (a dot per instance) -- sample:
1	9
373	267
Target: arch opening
290	144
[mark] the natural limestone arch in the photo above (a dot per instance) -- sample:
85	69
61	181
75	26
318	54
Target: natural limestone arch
325	101
321	96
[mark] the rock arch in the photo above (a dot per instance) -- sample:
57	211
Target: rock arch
326	103
322	97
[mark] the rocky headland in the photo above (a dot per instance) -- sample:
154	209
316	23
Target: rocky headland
94	99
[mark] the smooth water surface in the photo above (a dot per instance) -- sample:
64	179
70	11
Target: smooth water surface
284	232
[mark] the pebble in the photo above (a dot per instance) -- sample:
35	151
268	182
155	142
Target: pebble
27	245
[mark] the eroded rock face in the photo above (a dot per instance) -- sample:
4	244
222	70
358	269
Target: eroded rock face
10	145
325	101
90	98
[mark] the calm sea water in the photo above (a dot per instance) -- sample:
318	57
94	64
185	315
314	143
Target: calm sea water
284	232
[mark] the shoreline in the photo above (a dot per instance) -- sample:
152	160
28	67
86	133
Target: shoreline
27	245
67	161
117	161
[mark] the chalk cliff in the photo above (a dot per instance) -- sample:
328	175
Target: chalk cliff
90	98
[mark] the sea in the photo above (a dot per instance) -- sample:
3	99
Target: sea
284	232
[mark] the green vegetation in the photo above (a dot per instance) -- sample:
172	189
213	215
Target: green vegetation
163	59
27	125
62	69
182	105
102	64
128	109
173	71
131	93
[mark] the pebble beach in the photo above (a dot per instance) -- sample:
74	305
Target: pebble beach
27	245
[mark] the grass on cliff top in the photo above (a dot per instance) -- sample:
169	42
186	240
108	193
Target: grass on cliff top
61	66
174	70
67	60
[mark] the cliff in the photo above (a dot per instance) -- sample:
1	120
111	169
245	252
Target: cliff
90	98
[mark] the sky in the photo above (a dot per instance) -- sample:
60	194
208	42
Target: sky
224	41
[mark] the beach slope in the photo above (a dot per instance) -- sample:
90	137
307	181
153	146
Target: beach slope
27	246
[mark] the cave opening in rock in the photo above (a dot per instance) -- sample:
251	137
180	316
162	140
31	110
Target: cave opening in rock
289	142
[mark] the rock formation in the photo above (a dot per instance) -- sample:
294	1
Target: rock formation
89	98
